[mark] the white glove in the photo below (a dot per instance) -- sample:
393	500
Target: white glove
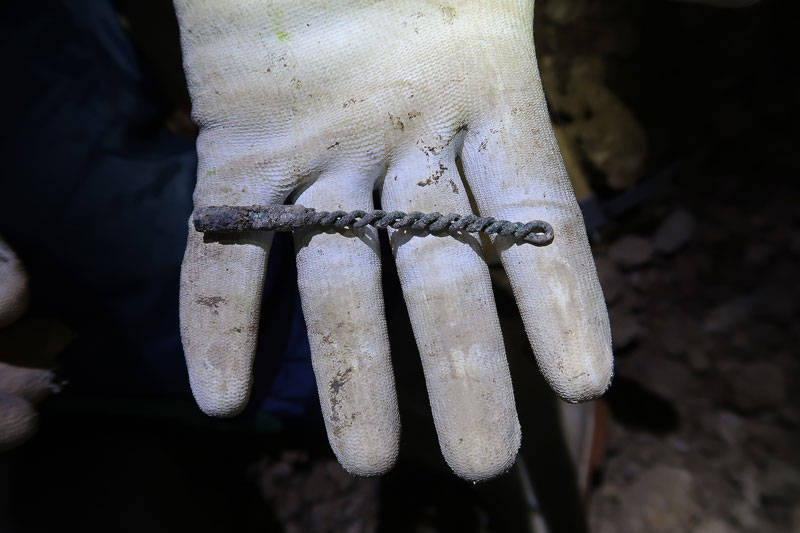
324	101
20	387
13	286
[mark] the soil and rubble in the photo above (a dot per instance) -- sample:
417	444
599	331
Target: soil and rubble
706	428
679	120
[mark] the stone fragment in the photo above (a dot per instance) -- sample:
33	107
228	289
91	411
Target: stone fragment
794	243
631	251
697	358
610	279
796	518
777	304
728	315
678	333
756	337
758	254
631	301
645	278
745	515
755	386
625	328
713	525
667	378
780	480
316	494
674	232
660	500
790	415
730	427
609	135
723	3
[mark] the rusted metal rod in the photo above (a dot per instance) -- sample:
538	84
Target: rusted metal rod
232	219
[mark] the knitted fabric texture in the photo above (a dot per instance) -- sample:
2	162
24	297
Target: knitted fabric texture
322	103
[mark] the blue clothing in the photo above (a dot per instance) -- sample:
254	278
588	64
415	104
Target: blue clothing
95	196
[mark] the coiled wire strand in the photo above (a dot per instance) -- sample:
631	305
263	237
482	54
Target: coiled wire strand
226	219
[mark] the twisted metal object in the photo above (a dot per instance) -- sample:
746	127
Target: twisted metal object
231	219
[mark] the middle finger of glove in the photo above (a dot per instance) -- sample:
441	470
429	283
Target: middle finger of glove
339	277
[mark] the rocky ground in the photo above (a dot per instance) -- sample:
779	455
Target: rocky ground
679	118
703	301
698	261
679	122
705	414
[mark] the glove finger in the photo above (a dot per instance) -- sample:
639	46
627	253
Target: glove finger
448	293
339	277
18	421
220	299
222	280
515	171
33	384
13	285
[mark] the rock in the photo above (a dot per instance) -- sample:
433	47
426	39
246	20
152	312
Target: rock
780	480
674	232
608	134
723	3
756	338
769	439
758	254
794	243
645	279
317	494
625	329
679	445
339	476
665	377
745	515
754	387
564	12
660	500
610	279
633	301
730	427
728	315
790	415
776	303
678	333
697	358
713	525
796	518
631	251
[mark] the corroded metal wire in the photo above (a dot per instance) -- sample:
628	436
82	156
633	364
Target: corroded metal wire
230	219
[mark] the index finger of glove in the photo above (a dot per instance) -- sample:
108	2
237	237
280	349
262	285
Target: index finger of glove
222	281
448	294
220	297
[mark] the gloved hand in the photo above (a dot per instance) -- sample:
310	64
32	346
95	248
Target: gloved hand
322	102
20	387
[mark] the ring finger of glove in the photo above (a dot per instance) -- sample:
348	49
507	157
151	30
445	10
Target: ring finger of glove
448	294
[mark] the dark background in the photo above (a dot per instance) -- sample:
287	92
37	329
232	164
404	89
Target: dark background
679	118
